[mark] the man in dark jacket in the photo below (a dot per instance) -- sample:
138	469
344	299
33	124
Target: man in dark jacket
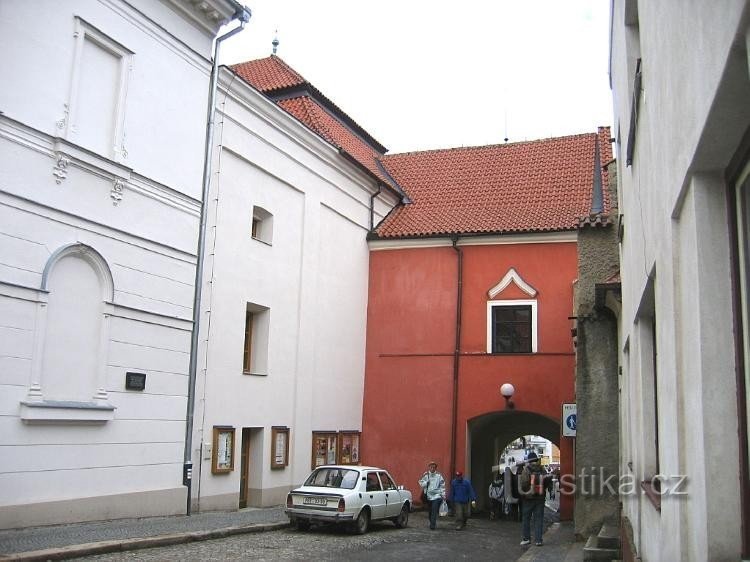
531	487
461	494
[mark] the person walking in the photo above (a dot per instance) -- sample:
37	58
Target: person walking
433	487
531	486
462	492
496	493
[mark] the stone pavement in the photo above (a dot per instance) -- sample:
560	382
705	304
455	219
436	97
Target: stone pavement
59	542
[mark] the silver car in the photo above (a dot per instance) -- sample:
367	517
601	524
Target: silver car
353	495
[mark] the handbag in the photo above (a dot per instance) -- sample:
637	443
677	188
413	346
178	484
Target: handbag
443	509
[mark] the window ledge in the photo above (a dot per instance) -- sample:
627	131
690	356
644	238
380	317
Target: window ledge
261	241
66	411
248	373
653	492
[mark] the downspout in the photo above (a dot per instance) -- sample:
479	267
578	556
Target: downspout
187	469
372	205
456	352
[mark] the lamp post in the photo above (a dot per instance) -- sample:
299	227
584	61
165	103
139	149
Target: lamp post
507	390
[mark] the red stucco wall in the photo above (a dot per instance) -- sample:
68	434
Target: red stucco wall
410	345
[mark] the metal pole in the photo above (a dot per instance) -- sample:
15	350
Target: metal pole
187	470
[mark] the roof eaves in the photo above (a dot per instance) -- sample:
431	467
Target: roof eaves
468	234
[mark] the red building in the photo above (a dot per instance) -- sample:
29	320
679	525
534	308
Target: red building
471	286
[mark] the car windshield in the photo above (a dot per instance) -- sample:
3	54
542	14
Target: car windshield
328	477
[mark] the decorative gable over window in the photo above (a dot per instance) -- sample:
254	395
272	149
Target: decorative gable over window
512	319
512	277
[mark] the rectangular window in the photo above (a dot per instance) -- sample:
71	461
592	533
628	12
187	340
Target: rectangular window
98	92
646	328
247	359
261	228
511	327
255	349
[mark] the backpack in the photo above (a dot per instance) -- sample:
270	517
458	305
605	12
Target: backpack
537	484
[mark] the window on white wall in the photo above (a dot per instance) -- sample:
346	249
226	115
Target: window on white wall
98	92
512	326
255	351
262	225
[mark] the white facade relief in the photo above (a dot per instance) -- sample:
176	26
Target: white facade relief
60	170
682	143
117	190
512	276
97	280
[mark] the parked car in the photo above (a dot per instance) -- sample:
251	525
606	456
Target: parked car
352	495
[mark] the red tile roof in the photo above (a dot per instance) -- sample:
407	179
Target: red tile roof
535	186
298	97
312	114
269	74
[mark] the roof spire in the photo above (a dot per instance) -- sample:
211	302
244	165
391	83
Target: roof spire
275	41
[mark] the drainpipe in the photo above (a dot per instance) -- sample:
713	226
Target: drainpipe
372	206
243	16
456	352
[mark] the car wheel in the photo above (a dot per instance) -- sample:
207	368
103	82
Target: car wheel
302	525
363	522
403	518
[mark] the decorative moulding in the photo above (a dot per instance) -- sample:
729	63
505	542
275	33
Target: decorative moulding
60	170
512	277
117	191
66	411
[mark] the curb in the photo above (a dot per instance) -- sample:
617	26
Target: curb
106	547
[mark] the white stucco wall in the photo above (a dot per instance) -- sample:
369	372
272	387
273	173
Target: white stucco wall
135	215
313	278
693	113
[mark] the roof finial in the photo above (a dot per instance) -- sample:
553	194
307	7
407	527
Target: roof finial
275	41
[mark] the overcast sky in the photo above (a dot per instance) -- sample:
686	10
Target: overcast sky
421	74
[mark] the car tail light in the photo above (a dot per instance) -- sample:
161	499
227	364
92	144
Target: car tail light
289	502
342	505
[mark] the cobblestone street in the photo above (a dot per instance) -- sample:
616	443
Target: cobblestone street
481	540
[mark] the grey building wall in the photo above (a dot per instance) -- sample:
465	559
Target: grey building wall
597	442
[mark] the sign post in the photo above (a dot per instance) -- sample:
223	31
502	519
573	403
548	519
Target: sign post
569	420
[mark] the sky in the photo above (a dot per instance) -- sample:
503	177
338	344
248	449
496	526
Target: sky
421	74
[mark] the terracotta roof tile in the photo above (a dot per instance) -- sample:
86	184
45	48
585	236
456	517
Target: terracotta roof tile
269	74
534	186
327	126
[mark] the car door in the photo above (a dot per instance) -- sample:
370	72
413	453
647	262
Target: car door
375	495
392	495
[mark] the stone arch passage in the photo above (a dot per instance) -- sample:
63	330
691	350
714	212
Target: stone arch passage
489	433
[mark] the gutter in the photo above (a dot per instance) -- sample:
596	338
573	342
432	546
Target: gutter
457	350
372	205
243	16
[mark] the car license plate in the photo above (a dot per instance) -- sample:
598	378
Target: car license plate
314	501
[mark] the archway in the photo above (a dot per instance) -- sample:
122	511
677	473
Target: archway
488	434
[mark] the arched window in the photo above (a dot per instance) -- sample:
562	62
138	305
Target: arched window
72	336
262	226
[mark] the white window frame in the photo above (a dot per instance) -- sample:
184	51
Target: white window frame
83	32
534	318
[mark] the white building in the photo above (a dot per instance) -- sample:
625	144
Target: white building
102	132
681	86
285	292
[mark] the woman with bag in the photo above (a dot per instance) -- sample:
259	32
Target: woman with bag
433	490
